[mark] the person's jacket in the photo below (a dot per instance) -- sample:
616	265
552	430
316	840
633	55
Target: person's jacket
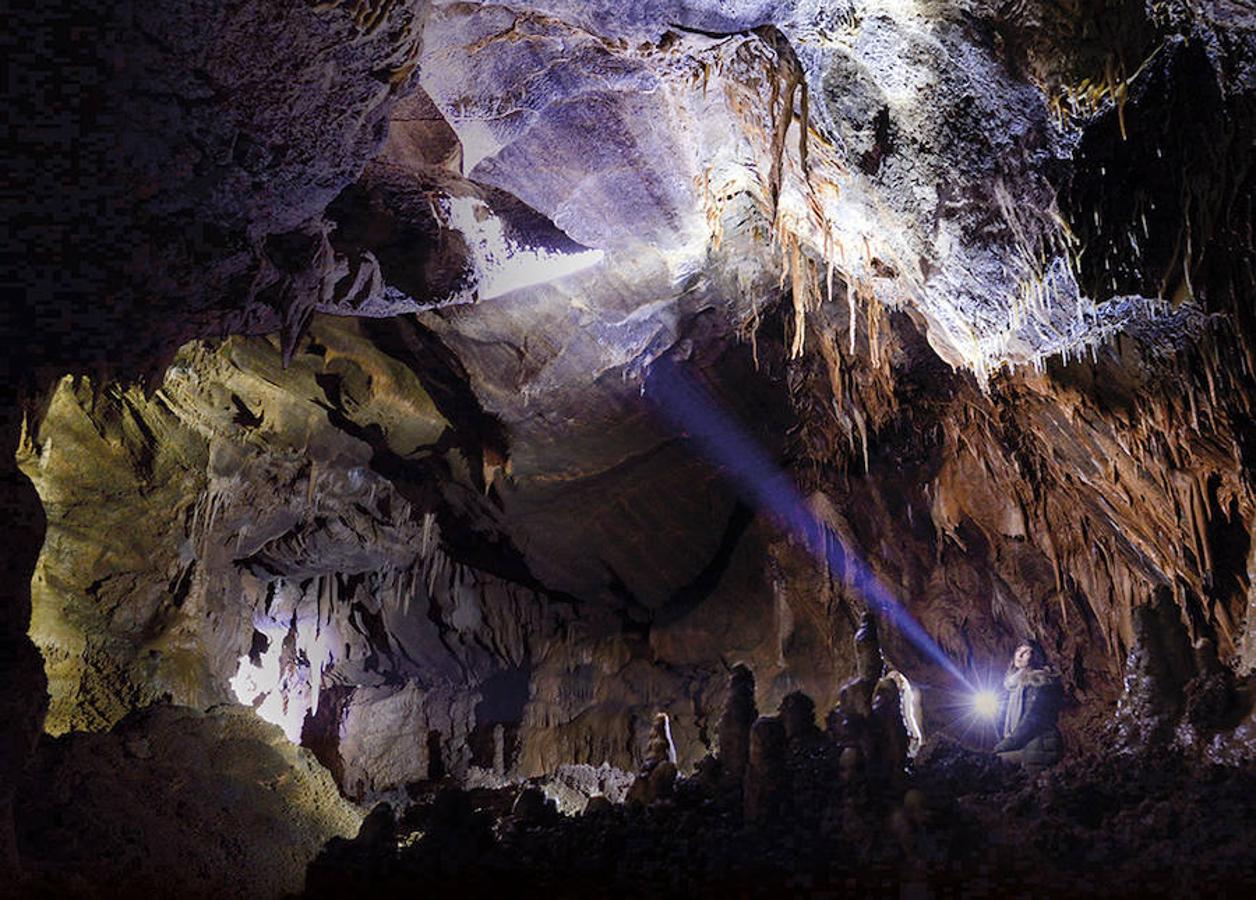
1039	708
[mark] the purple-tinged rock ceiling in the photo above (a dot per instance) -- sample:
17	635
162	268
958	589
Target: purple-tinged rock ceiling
403	283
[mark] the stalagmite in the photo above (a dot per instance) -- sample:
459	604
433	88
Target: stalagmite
463	387
736	721
891	739
766	781
1159	665
657	778
798	716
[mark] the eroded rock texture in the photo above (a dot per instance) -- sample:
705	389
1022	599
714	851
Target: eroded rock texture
216	803
319	539
672	337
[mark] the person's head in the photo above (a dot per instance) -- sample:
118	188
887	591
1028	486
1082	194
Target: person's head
1029	655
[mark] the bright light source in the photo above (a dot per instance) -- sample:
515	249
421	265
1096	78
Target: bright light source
986	704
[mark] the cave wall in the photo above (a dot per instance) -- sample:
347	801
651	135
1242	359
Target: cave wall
1062	496
322	524
328	513
24	700
851	221
1051	506
151	159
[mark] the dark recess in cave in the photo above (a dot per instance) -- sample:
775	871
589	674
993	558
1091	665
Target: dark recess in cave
356	538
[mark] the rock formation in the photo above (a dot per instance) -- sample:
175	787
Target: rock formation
766	781
1159	665
798	715
888	727
461	386
201	803
657	777
737	721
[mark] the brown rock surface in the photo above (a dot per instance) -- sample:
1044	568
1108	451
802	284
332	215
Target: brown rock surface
737	721
176	801
765	788
974	277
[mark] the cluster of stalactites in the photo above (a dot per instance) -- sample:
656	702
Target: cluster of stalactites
295	650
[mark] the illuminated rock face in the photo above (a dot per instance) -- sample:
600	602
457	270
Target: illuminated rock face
471	543
319	543
917	166
330	551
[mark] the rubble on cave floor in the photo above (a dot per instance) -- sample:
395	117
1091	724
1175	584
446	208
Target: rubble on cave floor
1105	825
803	812
1100	825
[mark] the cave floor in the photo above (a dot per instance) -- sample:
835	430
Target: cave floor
961	824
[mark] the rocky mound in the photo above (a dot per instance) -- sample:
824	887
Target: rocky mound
175	802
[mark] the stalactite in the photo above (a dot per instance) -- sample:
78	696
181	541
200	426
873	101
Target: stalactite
311	492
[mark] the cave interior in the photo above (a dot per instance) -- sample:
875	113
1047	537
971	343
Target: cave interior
583	448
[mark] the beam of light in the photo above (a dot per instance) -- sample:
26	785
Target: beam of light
503	264
689	407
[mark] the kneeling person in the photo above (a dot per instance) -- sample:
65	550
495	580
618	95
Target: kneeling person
1034	695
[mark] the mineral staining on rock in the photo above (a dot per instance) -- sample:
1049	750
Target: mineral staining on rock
973	275
219	449
267	552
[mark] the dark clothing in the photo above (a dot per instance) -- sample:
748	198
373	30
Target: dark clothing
1029	730
1041	752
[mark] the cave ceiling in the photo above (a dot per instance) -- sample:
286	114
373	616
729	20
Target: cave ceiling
379	382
